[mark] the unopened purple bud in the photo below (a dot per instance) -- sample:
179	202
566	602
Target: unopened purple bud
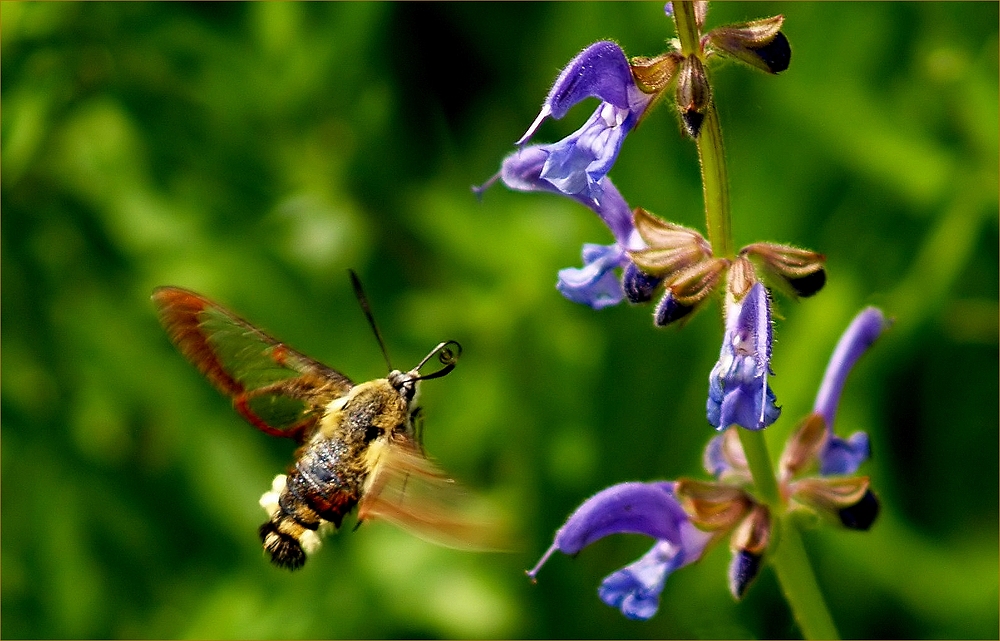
638	285
669	310
809	284
776	55
743	569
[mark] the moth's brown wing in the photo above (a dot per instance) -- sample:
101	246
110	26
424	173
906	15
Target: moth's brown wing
276	389
405	488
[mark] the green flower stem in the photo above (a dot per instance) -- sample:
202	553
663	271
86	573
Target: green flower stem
715	184
714	179
687	27
786	554
759	462
798	582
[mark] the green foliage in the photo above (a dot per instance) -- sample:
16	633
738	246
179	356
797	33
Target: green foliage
254	152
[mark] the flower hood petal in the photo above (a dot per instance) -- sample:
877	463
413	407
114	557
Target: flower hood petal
634	508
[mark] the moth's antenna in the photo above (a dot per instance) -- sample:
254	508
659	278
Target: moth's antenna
359	293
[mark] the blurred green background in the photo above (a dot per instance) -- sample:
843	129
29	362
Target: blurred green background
255	152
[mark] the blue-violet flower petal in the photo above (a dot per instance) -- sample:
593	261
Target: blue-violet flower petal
844	456
635	589
577	164
595	284
601	71
636	508
738	392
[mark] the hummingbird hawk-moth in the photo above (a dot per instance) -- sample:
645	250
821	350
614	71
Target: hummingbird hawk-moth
359	444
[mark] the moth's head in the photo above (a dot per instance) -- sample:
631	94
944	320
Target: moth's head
405	383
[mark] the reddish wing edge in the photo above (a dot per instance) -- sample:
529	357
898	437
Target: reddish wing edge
270	369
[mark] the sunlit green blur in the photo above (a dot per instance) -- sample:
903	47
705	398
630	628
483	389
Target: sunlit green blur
255	152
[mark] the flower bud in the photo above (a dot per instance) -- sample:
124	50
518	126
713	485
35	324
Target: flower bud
638	285
712	506
652	75
742	277
693	94
686	288
669	310
725	459
846	500
809	284
743	569
799	269
803	447
749	542
760	44
671	248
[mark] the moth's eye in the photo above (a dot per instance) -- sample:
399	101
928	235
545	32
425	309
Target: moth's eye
371	433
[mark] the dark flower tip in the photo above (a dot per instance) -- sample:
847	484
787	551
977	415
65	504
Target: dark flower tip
694	94
776	54
809	284
638	285
669	310
692	122
862	514
742	571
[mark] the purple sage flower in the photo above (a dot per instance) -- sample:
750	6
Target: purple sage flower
635	508
577	164
738	392
844	456
594	284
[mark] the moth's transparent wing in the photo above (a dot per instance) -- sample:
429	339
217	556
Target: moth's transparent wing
406	489
275	388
